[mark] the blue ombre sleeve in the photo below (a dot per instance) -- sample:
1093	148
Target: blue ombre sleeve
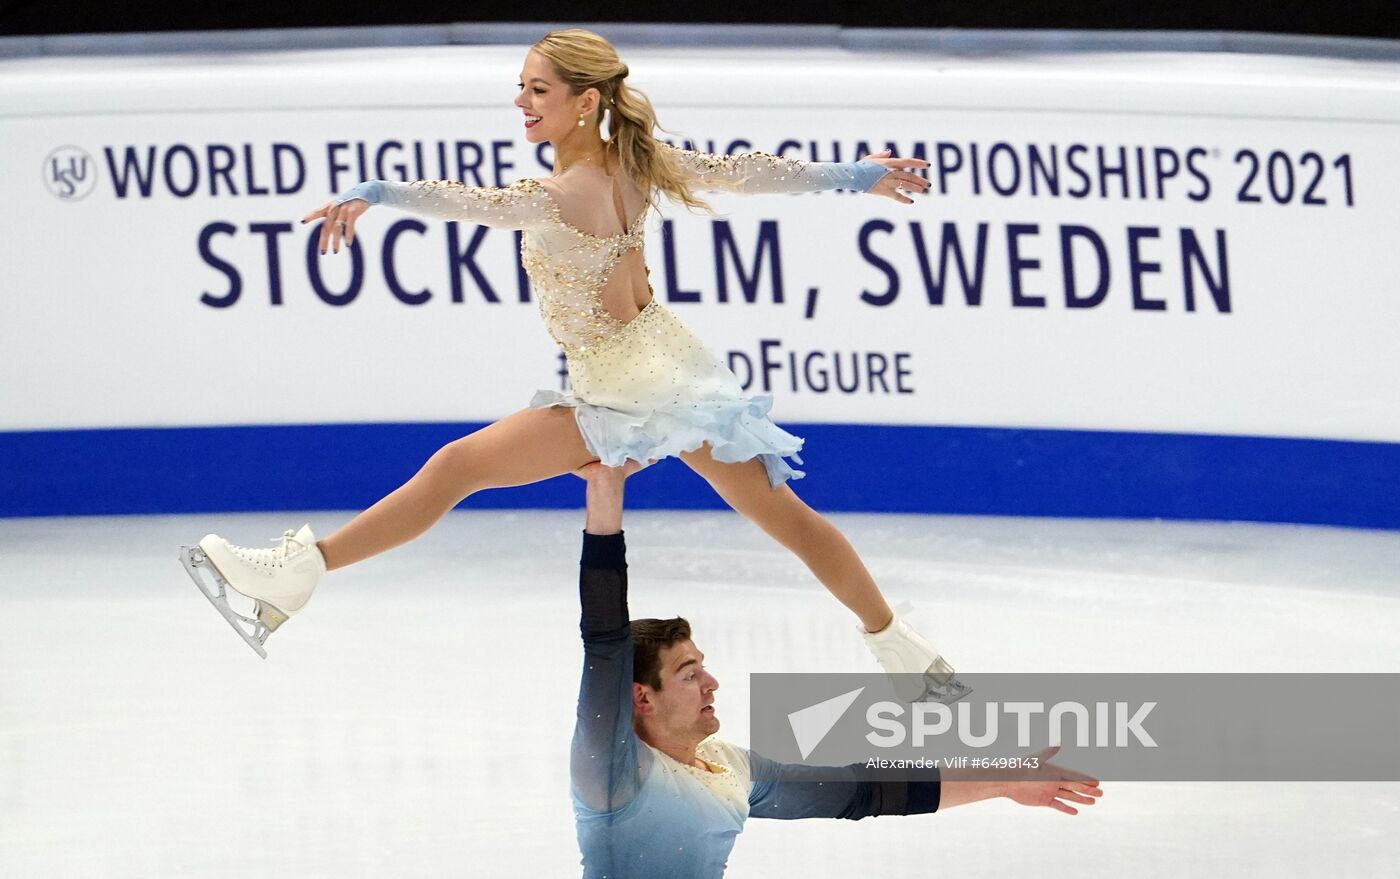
522	205
792	790
758	171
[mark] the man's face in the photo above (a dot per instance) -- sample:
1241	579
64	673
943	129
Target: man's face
683	709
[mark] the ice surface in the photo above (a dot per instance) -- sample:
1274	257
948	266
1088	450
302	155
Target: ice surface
414	720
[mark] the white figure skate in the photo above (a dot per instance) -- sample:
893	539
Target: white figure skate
918	672
280	580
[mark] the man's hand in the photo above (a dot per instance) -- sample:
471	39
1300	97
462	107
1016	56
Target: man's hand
1051	785
603	497
1045	785
596	470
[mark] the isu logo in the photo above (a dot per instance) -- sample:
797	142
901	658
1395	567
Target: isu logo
70	173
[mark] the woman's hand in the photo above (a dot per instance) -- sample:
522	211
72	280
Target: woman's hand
898	182
340	222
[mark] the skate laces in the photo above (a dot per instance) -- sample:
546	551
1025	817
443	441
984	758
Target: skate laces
277	554
287	537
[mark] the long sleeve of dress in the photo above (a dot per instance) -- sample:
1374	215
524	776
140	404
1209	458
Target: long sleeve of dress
521	205
758	171
603	765
793	790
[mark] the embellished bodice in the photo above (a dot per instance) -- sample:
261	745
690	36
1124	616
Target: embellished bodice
568	267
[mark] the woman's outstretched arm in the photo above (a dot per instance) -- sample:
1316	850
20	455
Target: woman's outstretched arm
521	205
758	171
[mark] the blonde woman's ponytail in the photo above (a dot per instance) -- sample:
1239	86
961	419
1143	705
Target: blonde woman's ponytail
585	60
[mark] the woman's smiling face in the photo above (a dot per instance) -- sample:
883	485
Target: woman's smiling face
545	97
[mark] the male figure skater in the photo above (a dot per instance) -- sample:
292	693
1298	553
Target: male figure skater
655	792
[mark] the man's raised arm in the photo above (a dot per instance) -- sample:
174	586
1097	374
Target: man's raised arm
603	762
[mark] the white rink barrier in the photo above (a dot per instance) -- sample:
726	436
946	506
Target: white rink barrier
1141	285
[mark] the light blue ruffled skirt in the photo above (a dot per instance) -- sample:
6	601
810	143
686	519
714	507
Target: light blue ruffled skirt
653	391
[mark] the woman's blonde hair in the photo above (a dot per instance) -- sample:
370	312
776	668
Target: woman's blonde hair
586	60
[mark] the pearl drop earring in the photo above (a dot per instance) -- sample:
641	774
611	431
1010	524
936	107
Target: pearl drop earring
580	122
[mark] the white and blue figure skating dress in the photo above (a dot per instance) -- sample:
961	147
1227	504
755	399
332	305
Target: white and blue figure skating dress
646	388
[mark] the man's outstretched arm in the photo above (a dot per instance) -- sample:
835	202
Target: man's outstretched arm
792	790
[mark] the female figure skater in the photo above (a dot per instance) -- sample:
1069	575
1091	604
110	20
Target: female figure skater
643	386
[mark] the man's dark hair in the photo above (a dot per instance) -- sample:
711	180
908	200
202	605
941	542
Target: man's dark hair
649	638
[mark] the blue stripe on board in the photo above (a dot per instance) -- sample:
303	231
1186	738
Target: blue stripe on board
850	468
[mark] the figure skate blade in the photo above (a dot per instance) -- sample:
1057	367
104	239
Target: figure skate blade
946	692
194	560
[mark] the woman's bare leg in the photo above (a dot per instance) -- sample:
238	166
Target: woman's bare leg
783	515
526	447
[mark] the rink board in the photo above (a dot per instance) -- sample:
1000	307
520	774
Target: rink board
851	468
1154	284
